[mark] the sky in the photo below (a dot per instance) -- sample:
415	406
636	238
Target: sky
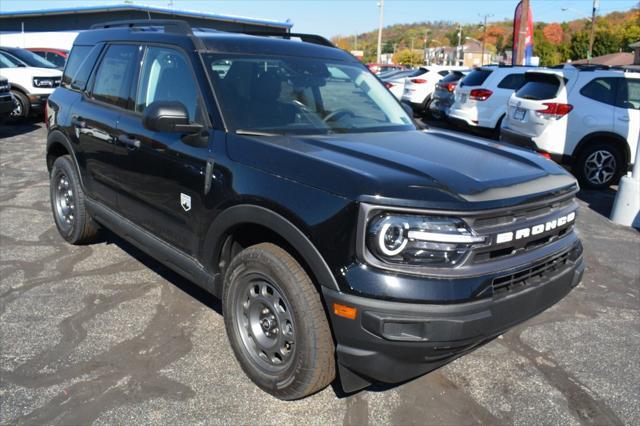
345	17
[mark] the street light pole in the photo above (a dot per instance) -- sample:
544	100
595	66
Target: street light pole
596	3
381	6
458	53
484	37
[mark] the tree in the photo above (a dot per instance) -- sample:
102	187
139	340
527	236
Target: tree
407	57
579	45
553	33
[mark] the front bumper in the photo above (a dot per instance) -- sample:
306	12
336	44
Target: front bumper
392	342
6	104
38	101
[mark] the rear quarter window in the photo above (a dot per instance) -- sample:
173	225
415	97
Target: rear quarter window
538	86
512	81
476	77
79	65
601	90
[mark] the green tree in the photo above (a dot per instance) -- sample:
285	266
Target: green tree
407	57
579	45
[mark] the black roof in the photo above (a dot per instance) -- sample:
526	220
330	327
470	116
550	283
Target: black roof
179	33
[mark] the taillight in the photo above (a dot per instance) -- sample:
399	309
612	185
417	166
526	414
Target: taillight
555	109
388	85
46	114
480	94
418	80
450	86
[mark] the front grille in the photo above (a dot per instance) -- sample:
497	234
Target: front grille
532	275
521	219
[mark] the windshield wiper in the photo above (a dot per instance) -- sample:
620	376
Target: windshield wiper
255	133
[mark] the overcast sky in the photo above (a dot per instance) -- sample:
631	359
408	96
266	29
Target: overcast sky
332	17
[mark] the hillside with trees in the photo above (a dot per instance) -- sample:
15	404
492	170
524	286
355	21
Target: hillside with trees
554	42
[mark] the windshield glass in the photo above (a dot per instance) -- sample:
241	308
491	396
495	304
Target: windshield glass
8	61
292	95
32	59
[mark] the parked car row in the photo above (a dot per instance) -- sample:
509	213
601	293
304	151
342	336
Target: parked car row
31	79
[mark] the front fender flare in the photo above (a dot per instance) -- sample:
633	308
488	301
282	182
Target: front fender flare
252	214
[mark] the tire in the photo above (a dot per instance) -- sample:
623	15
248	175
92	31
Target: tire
22	108
276	323
68	204
599	165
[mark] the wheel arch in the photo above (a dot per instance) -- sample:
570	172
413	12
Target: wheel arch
57	145
260	224
605	137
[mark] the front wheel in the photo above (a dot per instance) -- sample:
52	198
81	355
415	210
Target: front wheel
599	165
21	107
276	323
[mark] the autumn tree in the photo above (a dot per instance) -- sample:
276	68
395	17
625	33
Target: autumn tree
553	33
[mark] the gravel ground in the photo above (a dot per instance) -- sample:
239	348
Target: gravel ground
104	334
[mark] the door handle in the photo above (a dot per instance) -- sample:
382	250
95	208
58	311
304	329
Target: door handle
78	122
129	141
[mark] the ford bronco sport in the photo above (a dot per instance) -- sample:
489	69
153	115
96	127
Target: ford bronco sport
283	177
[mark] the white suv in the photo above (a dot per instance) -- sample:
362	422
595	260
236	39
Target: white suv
480	100
31	86
587	118
418	90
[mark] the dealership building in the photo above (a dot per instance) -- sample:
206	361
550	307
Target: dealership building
60	26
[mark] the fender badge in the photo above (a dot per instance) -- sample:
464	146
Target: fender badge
185	202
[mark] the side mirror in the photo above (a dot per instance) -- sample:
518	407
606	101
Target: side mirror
168	116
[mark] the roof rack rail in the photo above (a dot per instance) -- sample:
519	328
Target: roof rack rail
308	38
175	26
172	26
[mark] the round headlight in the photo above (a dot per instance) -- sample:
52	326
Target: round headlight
392	239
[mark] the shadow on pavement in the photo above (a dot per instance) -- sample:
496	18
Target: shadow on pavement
600	201
174	278
9	129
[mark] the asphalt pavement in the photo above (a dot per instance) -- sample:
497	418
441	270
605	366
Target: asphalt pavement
104	334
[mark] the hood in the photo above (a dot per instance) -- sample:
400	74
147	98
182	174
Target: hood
410	168
44	72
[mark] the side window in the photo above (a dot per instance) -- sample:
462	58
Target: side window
601	90
629	93
166	76
443	72
512	82
80	65
112	81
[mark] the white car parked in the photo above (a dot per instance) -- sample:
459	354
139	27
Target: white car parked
418	90
31	86
588	118
395	81
480	100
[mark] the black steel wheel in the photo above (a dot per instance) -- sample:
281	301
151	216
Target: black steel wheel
68	203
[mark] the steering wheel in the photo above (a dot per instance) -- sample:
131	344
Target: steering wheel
338	113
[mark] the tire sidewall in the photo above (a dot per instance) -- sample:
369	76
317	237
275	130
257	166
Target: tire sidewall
64	165
24	102
278	383
580	164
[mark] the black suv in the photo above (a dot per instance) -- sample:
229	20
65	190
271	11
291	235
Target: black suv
282	176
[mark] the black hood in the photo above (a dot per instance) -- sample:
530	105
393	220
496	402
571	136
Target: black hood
411	168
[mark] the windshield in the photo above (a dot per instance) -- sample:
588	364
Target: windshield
287	95
8	61
32	59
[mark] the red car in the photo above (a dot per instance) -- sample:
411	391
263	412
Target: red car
56	56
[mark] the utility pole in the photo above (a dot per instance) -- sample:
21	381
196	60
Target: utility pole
522	33
355	42
596	4
484	37
459	48
381	6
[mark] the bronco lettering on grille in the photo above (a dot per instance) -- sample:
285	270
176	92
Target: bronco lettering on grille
519	234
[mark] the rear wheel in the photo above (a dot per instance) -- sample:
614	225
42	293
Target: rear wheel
276	323
68	203
599	165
